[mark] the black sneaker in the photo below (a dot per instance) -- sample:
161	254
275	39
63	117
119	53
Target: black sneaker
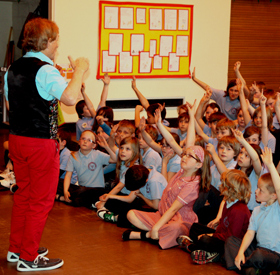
13	257
39	264
204	257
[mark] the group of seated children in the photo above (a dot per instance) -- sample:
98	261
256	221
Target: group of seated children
209	185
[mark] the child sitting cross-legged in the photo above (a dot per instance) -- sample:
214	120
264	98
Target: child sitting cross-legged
88	163
206	244
263	255
142	191
175	215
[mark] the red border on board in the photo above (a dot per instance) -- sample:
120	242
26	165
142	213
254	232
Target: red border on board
145	14
132	18
98	75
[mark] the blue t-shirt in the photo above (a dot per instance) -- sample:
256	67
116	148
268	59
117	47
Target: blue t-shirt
83	124
89	167
63	159
265	221
49	83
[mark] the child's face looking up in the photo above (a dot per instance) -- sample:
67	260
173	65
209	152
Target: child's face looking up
233	93
150	119
125	152
183	125
86	112
122	132
244	159
240	119
142	143
254	139
262	193
165	148
100	132
222	133
208	112
258	120
271	104
87	141
226	153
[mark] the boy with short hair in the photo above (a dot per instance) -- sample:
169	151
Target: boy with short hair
88	163
140	182
264	224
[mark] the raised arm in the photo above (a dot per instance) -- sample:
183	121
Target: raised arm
236	69
104	94
103	143
148	139
219	164
202	107
264	120
190	138
70	94
243	103
143	100
88	101
250	150
138	110
165	133
197	81
267	160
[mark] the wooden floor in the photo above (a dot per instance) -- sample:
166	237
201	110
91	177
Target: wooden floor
89	245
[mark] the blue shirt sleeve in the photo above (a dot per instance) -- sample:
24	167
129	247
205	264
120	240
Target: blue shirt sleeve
106	128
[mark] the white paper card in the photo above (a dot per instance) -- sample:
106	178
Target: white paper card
166	42
182	45
157	62
173	65
115	43
145	62
108	63
170	19
111	18
125	62
153	47
140	16
155	19
137	44
126	18
183	20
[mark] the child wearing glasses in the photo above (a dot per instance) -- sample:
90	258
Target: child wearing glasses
175	213
88	163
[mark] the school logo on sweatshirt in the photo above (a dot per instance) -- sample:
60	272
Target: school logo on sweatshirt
92	166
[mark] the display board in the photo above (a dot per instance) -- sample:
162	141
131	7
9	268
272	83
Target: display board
144	39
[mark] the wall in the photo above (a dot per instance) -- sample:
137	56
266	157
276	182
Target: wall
78	23
255	41
5	23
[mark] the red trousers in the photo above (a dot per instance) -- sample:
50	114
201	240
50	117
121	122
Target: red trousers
36	167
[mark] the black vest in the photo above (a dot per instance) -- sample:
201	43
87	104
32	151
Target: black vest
30	115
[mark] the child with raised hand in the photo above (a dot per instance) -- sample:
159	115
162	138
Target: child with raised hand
250	163
115	205
262	118
170	160
175	215
150	108
206	244
128	155
264	224
227	100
